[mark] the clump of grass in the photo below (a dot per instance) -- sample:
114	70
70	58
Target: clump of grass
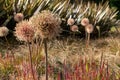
6	66
71	60
114	45
83	70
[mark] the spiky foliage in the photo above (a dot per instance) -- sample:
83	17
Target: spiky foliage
98	14
8	8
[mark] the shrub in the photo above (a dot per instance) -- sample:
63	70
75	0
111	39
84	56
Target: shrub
99	14
84	70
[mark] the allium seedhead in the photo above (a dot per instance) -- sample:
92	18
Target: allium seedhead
70	21
74	28
89	28
18	17
47	24
4	31
84	21
24	31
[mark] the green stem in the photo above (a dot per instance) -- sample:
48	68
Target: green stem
46	59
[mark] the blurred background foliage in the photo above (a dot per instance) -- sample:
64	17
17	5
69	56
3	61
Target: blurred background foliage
112	3
78	9
116	3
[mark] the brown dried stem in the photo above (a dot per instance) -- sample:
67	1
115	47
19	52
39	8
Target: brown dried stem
31	62
46	59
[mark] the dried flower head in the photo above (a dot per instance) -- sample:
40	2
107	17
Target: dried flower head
70	21
89	28
47	24
74	28
4	31
24	31
18	17
84	21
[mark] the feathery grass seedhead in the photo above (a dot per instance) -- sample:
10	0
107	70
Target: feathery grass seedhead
18	17
24	31
4	31
47	24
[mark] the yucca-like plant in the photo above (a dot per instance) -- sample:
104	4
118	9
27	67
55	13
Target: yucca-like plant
100	15
8	8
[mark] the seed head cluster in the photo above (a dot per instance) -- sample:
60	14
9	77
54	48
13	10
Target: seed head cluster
24	31
47	24
70	21
88	27
18	17
84	21
4	31
74	28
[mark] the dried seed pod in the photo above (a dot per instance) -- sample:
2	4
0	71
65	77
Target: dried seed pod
24	31
70	21
47	24
74	28
18	17
84	21
89	28
4	31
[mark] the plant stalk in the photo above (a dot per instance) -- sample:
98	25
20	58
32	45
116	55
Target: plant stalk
31	62
88	40
8	45
99	34
86	37
46	59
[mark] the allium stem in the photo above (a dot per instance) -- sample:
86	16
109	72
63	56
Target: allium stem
86	36
46	59
31	62
88	39
8	45
99	34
